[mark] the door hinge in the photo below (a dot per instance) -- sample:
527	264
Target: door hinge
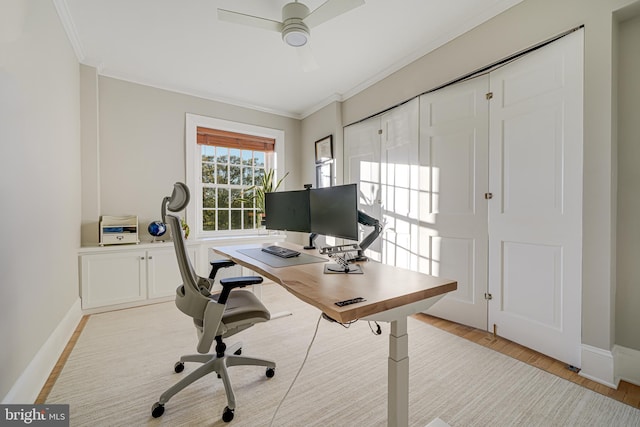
488	296
488	196
488	95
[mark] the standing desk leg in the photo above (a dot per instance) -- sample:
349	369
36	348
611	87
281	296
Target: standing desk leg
398	367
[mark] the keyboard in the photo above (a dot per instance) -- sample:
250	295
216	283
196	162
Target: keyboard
280	251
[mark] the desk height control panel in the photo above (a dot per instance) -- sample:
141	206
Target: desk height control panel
117	230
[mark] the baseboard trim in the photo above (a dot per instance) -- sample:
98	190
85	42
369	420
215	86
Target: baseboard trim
627	364
28	386
597	365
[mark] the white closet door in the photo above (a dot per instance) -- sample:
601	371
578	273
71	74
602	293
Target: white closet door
399	185
535	216
454	145
381	156
362	164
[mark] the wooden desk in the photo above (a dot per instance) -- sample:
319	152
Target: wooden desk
391	294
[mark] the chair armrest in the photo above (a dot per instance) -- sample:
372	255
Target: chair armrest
218	264
230	283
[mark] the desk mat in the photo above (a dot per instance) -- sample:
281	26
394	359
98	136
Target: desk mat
276	261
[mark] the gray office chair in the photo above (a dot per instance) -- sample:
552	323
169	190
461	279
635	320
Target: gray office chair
216	316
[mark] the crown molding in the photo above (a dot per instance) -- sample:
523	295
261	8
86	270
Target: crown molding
199	94
336	97
69	27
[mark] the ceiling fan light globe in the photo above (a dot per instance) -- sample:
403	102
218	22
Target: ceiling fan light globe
295	38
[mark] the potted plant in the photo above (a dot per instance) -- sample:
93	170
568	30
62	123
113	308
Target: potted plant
265	184
185	228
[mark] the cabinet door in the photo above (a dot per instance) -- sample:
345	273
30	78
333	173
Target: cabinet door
113	278
163	272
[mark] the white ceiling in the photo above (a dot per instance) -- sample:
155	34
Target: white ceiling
182	46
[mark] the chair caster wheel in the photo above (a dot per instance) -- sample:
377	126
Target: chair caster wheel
157	410
178	367
270	372
227	415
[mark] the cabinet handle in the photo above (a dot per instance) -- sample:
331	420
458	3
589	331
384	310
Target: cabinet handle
150	257
142	258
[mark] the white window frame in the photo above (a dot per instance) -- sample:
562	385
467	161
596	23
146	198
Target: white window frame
193	166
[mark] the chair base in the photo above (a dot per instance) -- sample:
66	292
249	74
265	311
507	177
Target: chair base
212	363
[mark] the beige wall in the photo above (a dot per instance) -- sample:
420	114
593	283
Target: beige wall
40	188
324	122
628	251
525	25
140	152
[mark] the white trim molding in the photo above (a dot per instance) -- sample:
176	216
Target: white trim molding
627	364
29	384
70	28
597	365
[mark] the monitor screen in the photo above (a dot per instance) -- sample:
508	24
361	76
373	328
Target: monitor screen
287	210
334	211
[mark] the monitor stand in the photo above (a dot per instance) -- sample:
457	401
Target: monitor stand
341	266
312	238
339	269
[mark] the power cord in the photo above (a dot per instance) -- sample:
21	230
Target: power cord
298	373
378	330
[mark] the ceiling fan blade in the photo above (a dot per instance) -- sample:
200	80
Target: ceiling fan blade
307	60
329	10
250	20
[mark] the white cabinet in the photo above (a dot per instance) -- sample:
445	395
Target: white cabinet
130	276
163	274
113	278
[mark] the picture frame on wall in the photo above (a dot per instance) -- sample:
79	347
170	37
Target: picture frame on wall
324	149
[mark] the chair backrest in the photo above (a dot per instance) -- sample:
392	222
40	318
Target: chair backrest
192	296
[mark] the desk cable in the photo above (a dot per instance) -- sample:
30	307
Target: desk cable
299	370
378	331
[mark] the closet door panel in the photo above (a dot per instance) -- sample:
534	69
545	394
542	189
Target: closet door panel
399	182
453	257
453	211
362	164
535	227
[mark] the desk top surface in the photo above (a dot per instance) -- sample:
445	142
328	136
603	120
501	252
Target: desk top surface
384	287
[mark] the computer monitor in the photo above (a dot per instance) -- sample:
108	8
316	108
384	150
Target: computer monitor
334	211
287	210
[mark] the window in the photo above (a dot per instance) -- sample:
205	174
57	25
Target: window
223	160
230	164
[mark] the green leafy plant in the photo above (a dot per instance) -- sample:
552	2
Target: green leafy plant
185	228
265	184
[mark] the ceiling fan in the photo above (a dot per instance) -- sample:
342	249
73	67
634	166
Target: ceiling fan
297	19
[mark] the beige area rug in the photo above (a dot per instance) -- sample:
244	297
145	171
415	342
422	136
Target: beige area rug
124	360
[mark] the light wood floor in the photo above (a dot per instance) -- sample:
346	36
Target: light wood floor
55	372
627	393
